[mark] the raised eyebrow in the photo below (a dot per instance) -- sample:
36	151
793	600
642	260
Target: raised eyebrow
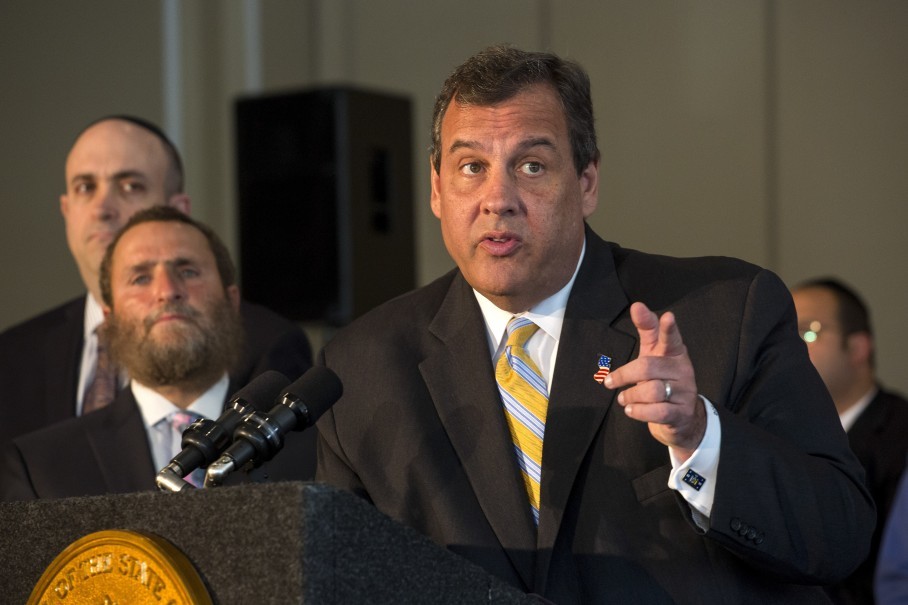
522	146
463	144
537	142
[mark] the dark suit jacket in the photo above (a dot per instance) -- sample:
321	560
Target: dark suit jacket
108	452
39	362
420	433
879	437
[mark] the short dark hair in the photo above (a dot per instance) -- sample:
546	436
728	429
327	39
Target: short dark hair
164	214
498	73
853	314
175	179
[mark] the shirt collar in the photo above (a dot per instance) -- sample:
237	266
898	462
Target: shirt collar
94	316
155	407
850	416
547	314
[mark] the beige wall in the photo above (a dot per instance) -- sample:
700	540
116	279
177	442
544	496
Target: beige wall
842	156
62	64
772	131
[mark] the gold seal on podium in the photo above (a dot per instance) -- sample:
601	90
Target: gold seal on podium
120	567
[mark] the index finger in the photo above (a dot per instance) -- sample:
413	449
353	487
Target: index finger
658	335
647	324
670	341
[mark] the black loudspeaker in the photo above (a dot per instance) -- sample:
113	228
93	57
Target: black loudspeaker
325	201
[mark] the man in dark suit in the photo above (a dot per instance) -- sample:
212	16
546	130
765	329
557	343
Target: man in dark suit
172	321
702	469
835	323
117	166
891	581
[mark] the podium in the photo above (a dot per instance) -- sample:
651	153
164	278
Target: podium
275	543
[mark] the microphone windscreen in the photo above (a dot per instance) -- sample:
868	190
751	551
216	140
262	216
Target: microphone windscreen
262	391
318	389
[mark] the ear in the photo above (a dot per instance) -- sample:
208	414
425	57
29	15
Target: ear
64	205
860	348
435	179
181	202
233	295
106	311
589	188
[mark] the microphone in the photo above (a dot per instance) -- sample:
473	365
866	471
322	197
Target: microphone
204	440
260	436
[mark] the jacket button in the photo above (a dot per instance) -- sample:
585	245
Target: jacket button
735	524
751	533
759	539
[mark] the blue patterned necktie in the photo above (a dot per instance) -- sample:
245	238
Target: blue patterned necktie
525	397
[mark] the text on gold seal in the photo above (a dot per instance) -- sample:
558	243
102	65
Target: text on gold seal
120	567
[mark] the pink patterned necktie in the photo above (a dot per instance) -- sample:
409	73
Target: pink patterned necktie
179	422
103	387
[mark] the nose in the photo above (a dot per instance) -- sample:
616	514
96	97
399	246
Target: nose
500	194
168	286
106	203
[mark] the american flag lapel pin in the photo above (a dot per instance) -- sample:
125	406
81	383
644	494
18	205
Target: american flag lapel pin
605	366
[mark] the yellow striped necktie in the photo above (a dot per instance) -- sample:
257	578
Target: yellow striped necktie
525	397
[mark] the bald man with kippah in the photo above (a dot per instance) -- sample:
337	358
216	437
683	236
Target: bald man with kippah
117	166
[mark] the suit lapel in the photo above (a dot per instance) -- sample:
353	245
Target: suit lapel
578	405
120	446
460	379
63	353
868	426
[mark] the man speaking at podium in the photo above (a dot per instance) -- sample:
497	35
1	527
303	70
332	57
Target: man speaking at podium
172	322
587	422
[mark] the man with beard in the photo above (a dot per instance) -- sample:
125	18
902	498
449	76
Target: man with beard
171	305
117	166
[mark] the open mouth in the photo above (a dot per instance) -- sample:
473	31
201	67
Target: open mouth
500	244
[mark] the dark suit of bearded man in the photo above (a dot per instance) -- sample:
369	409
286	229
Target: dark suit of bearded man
420	432
108	451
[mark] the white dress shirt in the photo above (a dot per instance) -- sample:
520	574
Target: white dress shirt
155	409
850	416
543	349
94	317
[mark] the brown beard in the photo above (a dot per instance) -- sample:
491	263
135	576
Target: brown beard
206	348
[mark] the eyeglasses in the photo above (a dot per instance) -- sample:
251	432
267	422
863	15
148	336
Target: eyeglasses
811	332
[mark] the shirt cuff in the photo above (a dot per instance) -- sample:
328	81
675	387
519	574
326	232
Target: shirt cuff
695	478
